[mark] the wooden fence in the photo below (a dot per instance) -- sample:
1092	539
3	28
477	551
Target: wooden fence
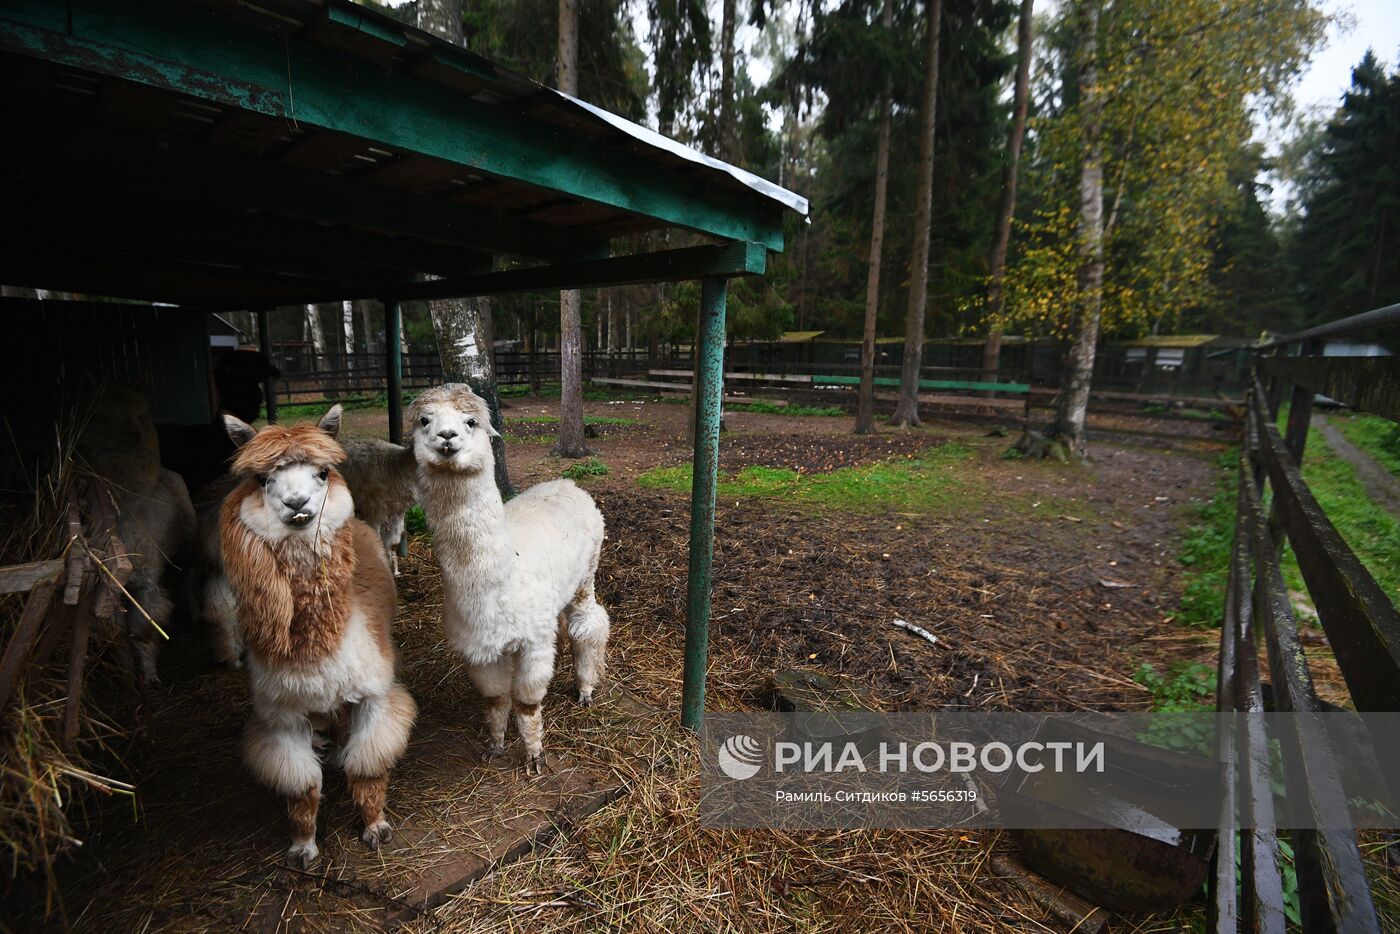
309	377
1361	623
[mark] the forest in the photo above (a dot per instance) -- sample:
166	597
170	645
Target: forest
1076	171
1193	238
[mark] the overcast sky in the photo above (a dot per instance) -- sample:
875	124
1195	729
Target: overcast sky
1375	24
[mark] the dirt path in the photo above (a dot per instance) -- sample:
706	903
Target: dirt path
1380	484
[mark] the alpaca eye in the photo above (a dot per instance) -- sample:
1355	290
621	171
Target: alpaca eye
423	421
324	473
471	423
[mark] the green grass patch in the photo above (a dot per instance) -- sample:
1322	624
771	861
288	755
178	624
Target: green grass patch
313	410
801	411
588	467
415	522
1378	437
923	483
1203	415
1185	687
1371	531
1206	550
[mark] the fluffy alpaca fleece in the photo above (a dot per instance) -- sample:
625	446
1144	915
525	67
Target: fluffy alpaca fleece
155	519
314	600
513	574
383	479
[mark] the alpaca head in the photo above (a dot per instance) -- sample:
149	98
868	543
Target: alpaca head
452	429
119	441
295	468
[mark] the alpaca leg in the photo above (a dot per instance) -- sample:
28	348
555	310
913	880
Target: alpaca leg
588	634
153	600
278	749
493	681
369	795
221	610
378	735
391	533
534	669
301	814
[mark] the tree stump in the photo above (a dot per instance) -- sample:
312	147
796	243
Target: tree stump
1032	445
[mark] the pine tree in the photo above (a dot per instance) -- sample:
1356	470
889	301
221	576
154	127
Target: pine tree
1345	244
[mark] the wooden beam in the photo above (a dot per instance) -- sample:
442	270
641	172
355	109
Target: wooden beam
1369	384
17	578
145	167
53	203
206	54
1361	622
722	261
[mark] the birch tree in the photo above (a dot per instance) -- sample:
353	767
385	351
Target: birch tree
1133	162
462	326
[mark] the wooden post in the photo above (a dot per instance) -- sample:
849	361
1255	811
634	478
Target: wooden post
708	358
269	384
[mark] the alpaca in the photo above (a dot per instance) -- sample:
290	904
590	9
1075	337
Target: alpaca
513	573
383	482
155	519
383	479
315	601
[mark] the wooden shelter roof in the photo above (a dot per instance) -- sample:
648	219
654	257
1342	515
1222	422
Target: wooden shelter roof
224	154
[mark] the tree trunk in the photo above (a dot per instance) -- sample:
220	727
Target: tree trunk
1073	406
727	136
991	353
865	397
462	326
571	442
372	341
906	410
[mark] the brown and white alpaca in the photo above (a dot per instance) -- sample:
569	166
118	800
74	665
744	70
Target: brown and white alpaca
155	519
315	600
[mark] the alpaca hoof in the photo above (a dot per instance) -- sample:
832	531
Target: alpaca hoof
303	855
377	834
585	698
534	765
493	752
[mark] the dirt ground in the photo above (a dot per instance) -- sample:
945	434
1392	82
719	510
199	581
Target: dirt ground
1046	584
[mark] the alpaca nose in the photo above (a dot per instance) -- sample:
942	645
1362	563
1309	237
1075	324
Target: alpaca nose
447	434
295	501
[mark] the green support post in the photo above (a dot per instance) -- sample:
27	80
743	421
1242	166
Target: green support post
269	384
709	396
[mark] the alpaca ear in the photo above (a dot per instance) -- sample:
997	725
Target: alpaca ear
330	422
239	431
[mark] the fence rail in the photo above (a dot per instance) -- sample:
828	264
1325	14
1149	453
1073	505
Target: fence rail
1360	620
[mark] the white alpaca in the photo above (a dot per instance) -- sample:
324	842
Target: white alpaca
513	573
315	601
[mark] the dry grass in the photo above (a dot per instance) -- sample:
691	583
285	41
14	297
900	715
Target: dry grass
645	864
43	785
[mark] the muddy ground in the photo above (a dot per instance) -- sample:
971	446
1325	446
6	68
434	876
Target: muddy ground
1046	585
